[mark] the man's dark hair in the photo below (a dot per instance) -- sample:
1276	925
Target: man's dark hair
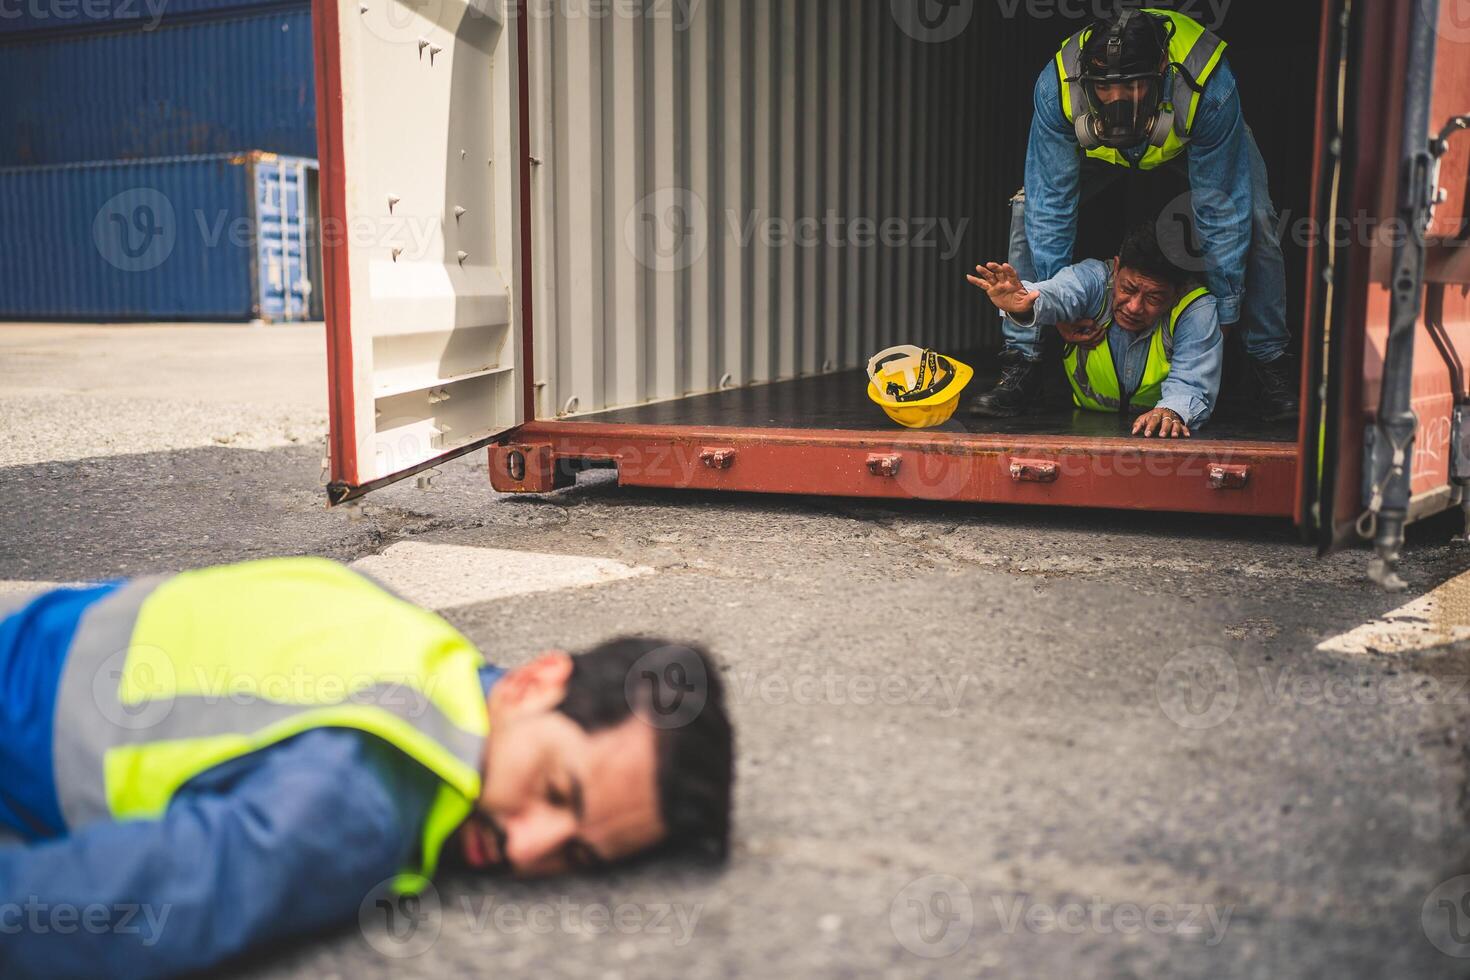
1145	39
678	690
1142	253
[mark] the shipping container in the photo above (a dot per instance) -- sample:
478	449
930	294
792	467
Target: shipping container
40	18
217	85
664	239
220	237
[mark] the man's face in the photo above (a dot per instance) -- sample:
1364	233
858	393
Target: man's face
1134	91
555	798
1137	91
1139	301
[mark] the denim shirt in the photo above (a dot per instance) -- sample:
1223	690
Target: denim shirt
1219	157
1193	383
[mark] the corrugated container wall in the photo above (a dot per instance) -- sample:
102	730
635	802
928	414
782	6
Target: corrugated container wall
217	85
195	238
752	190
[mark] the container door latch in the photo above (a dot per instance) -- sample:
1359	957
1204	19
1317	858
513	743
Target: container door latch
1224	477
718	459
884	465
1034	471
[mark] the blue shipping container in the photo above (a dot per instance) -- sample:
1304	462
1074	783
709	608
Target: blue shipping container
219	237
38	17
207	86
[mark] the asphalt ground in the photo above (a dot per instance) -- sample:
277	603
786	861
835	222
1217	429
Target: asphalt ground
973	741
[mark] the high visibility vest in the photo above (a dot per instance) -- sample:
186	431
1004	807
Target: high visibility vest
1094	378
169	677
1192	46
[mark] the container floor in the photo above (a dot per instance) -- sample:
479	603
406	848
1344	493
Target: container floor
840	401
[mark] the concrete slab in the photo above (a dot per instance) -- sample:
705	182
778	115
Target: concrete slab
444	576
1434	620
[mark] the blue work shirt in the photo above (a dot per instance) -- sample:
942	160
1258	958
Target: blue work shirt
1219	157
1193	384
278	844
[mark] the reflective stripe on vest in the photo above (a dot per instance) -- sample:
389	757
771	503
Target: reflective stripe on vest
1192	46
169	677
1094	378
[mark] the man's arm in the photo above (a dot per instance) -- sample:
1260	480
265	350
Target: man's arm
1074	293
1053	176
289	846
1220	179
1193	383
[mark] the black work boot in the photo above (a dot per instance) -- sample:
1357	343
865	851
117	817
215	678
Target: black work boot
1017	393
1276	390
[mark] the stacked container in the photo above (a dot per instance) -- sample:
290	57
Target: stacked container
157	162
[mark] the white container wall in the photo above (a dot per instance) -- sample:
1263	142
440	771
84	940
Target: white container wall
731	192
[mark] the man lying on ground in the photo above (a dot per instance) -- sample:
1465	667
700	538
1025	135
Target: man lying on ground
242	754
1138	337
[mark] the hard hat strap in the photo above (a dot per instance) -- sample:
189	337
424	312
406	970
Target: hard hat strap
931	368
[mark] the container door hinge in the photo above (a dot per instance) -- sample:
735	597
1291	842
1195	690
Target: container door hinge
718	459
1223	477
1460	445
1460	465
1034	471
884	465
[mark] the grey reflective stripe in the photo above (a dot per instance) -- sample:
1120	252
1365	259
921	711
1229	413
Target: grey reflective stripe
1195	63
87	720
1104	319
1174	319
212	715
91	720
1084	384
1072	62
1199	56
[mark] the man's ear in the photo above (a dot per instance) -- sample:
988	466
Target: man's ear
538	686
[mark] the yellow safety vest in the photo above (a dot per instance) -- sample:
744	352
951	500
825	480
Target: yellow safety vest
169	677
1094	379
1192	46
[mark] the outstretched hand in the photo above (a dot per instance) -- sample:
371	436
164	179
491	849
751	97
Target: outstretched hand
1004	287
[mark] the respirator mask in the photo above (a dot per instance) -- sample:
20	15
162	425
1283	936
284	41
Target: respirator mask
1125	93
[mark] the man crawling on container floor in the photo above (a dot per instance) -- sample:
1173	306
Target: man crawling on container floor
182	758
1140	337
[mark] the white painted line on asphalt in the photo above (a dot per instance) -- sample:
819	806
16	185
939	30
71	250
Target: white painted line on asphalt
1432	620
442	576
19	587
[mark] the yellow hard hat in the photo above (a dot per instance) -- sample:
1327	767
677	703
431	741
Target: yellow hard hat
918	388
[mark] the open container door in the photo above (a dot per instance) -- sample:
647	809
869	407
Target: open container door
420	138
1386	409
1332	419
1358	149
